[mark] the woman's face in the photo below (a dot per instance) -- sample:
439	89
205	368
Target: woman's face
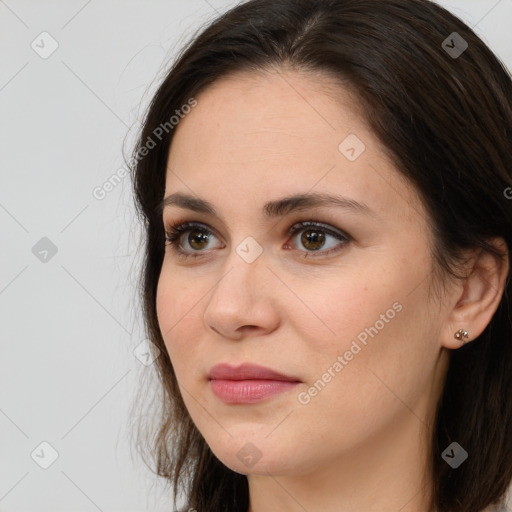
340	307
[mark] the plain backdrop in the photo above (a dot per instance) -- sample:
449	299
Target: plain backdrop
75	77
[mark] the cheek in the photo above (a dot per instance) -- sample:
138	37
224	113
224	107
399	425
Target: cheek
350	303
379	358
372	320
179	307
173	312
376	297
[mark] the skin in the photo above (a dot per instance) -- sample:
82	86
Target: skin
360	444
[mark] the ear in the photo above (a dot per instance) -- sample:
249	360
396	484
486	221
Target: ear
474	300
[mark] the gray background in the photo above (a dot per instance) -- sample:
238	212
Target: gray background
70	321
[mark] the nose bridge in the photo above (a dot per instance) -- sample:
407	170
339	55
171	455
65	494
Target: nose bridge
239	297
245	270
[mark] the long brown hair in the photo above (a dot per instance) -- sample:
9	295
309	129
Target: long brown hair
444	113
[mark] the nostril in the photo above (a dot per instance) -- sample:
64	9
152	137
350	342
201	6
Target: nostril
248	328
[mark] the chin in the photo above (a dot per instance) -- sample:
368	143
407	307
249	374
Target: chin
255	457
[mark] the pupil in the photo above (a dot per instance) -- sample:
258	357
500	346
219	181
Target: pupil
313	240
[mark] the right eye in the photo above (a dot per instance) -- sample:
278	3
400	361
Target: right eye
197	240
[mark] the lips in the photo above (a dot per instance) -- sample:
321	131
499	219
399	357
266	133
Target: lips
247	371
248	383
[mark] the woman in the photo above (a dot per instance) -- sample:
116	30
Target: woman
325	187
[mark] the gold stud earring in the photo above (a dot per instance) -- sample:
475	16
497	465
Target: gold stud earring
461	334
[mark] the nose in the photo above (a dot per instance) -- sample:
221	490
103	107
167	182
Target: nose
244	300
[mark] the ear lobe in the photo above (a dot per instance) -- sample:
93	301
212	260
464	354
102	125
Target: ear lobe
477	298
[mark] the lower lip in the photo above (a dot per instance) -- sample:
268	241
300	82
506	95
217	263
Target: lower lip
248	391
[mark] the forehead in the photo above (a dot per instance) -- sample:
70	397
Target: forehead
281	132
275	109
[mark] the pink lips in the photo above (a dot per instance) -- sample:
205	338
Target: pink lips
247	383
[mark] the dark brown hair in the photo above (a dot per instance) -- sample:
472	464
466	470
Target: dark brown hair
446	121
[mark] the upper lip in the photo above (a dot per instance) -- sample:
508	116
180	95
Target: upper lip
247	371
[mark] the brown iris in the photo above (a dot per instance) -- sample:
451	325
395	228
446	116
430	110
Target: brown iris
198	238
312	239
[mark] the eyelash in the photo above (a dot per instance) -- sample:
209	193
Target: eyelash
173	234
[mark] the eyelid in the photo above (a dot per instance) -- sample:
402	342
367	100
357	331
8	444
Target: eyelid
301	223
297	226
175	230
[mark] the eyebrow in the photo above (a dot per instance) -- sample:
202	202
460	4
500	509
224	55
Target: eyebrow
271	209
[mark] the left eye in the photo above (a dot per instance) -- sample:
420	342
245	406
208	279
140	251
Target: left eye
314	237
